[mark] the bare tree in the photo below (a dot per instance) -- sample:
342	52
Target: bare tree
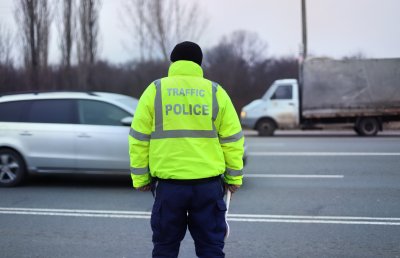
89	30
43	23
6	62
239	51
67	37
134	23
247	46
5	45
87	43
34	19
160	24
238	62
357	55
67	31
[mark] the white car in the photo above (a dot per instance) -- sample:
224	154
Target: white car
64	132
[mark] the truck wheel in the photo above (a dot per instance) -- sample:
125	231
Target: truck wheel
266	127
12	168
367	127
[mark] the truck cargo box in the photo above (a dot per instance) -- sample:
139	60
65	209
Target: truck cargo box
340	88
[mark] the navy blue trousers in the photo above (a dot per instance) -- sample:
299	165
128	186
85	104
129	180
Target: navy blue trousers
199	207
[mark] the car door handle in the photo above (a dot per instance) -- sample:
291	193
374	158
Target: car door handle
291	104
25	133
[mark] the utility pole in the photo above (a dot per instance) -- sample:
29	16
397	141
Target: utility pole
304	28
303	54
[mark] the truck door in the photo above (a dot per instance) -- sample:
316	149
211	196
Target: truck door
284	106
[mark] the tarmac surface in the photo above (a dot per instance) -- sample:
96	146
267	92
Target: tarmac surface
305	194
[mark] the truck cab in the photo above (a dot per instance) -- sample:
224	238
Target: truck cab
278	108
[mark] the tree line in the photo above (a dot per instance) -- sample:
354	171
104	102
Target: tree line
238	62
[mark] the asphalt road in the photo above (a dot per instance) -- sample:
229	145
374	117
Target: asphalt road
304	195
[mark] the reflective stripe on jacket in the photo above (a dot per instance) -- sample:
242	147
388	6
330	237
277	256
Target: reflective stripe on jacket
185	127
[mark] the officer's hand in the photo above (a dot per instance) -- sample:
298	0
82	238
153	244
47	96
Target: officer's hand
232	188
144	188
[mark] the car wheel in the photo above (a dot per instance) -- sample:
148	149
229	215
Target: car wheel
12	168
266	127
367	127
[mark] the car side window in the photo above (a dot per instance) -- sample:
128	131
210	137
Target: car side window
13	111
59	111
94	112
283	92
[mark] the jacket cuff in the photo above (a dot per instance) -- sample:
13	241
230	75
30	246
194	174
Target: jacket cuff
140	180
233	180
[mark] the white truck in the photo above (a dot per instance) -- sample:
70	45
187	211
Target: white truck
362	94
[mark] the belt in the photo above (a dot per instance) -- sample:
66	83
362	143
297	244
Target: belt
189	181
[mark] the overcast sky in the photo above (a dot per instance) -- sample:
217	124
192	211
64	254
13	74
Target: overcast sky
336	27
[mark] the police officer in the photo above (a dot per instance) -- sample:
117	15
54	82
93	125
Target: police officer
184	137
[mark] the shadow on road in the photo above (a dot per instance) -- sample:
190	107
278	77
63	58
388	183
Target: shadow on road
78	181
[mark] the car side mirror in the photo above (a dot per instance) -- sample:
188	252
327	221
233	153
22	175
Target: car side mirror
126	120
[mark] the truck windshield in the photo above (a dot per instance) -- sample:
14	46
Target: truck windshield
267	94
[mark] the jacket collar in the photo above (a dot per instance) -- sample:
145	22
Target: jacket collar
183	67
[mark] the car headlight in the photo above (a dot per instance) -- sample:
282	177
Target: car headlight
243	114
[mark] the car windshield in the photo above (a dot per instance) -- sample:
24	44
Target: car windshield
128	102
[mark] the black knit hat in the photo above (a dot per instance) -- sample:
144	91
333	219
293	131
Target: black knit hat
187	50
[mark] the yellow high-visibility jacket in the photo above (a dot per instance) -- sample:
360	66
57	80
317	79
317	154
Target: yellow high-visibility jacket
185	127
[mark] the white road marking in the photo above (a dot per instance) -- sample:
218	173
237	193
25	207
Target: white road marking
293	176
386	221
263	216
323	154
274	144
76	211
